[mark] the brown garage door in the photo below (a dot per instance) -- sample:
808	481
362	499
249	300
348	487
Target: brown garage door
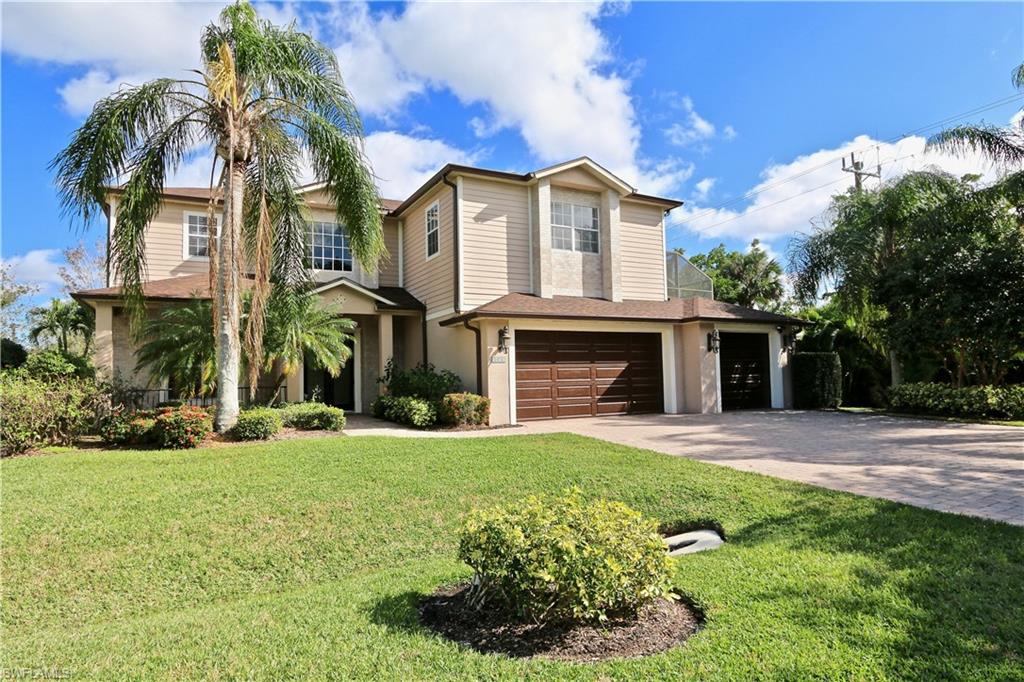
744	364
583	374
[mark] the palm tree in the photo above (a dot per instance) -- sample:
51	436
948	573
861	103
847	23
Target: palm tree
866	231
267	98
62	321
1002	145
180	345
299	326
757	277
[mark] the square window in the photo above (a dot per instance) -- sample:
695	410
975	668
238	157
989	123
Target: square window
574	227
197	236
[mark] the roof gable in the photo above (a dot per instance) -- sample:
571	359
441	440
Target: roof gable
573	169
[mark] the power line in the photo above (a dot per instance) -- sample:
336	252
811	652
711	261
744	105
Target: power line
949	119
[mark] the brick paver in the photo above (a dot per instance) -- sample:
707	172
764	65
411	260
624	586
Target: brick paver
972	469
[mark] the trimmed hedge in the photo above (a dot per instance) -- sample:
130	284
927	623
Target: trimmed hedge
184	427
817	381
984	402
565	558
406	410
464	409
261	423
308	416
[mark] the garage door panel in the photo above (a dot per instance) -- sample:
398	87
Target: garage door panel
744	371
577	374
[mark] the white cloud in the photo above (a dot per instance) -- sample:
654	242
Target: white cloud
729	133
704	187
402	162
38	267
695	128
791	195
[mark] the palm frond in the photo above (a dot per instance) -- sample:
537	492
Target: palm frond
179	345
1002	145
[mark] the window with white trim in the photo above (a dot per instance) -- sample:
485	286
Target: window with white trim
433	225
575	227
197	235
327	247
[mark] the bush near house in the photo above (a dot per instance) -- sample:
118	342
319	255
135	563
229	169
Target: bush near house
51	411
406	410
261	423
817	381
128	427
309	416
985	402
464	409
423	381
565	558
182	427
54	363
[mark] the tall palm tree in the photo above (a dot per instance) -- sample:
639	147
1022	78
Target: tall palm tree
62	321
267	98
1002	145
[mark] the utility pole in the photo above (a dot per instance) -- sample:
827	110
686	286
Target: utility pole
857	168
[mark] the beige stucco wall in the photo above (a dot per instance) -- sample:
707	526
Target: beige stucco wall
453	348
698	385
496	240
431	281
496	375
642	252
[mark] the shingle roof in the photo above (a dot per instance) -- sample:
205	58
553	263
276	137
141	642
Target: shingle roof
570	307
190	287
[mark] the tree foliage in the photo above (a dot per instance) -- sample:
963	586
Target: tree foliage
266	99
750	279
63	322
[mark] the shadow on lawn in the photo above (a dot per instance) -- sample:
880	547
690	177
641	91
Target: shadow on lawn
399	612
950	588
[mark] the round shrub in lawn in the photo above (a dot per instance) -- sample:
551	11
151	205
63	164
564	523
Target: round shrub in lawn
565	558
464	409
310	416
406	410
261	423
182	427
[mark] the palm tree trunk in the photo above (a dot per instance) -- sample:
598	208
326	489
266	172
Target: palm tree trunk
895	370
228	301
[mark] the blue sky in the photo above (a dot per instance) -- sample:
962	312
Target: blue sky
703	102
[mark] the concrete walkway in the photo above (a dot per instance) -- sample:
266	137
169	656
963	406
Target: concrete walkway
962	468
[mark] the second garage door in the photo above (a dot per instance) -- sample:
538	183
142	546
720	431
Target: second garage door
583	374
744	367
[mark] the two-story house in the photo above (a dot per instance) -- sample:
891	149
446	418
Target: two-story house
544	291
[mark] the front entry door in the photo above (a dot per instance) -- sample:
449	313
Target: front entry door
337	391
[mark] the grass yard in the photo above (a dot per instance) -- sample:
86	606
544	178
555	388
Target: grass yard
306	558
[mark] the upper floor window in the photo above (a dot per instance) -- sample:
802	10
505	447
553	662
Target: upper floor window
433	224
197	235
327	247
574	227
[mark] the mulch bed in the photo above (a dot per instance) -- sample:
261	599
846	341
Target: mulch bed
658	627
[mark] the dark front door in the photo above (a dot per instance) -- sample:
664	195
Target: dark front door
338	391
744	365
583	374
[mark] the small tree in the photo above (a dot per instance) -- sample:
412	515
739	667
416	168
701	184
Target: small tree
63	322
749	279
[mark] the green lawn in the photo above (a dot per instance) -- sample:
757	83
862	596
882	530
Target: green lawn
305	559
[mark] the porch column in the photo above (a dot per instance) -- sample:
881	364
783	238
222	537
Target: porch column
386	339
103	342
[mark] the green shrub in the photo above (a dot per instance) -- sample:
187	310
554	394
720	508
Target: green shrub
565	558
261	423
313	415
182	427
985	402
46	411
405	410
464	409
423	381
12	354
817	380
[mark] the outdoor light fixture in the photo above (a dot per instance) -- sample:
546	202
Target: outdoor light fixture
503	335
713	341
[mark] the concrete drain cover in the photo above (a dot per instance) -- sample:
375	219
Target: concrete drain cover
694	541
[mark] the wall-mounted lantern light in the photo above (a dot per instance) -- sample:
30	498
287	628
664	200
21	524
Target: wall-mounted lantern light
788	339
713	341
503	335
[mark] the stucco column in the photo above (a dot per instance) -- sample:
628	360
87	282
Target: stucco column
103	341
293	385
542	285
386	340
610	244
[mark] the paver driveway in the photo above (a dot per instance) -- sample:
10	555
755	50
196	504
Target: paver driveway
964	468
